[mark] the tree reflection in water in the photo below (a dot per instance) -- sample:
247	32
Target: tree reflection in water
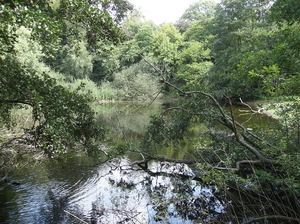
138	197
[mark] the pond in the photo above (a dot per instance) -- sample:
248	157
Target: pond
80	190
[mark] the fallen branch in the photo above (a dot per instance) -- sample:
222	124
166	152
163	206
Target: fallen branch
76	217
143	164
227	121
250	108
238	165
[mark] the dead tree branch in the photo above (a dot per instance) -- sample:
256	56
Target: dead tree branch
227	121
250	108
143	164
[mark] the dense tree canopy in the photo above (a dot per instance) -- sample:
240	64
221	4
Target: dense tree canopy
58	56
198	11
60	116
243	48
240	52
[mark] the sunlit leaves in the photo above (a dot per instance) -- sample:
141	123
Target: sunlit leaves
198	11
164	44
136	82
62	118
31	31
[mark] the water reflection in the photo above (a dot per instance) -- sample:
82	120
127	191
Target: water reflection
127	120
114	192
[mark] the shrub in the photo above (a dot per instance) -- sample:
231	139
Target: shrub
136	82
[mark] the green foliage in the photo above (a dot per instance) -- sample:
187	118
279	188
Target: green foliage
110	59
32	31
289	114
28	52
270	79
132	24
84	87
76	61
106	92
218	178
272	184
165	44
285	11
136	82
119	150
62	118
246	42
143	38
99	18
194	63
198	11
199	31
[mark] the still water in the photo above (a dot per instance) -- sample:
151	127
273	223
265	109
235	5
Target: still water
80	190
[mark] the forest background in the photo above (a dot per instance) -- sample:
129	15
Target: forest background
58	56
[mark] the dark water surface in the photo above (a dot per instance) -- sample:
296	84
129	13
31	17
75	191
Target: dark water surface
78	190
103	194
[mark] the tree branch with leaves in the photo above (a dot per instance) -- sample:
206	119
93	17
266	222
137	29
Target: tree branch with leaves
243	136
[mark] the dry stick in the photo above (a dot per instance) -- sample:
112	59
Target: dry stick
247	105
250	133
76	217
177	108
235	131
158	92
250	147
251	110
241	141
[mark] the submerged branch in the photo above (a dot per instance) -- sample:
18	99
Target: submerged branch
164	159
76	217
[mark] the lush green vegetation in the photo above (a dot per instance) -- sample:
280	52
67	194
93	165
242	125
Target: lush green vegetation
42	57
57	56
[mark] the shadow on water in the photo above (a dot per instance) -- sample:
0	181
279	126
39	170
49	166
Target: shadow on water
78	188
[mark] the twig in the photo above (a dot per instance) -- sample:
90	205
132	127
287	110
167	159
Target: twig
251	110
176	108
238	165
76	217
226	120
157	94
247	105
272	217
236	133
